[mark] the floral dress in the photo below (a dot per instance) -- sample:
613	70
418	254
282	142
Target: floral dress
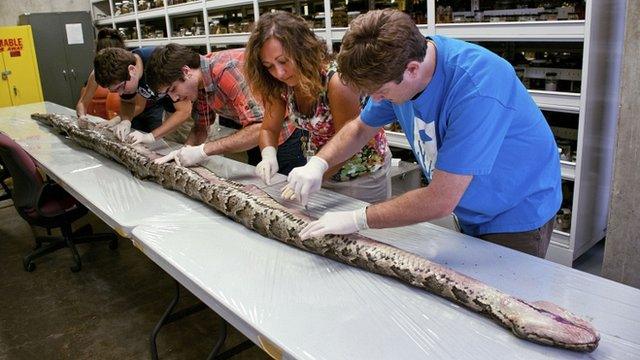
320	127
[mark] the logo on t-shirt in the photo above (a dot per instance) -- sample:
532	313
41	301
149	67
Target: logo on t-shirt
146	92
424	145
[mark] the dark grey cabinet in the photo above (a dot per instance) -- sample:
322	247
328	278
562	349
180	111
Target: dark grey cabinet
64	63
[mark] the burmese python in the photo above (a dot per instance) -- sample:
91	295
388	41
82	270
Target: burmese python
541	322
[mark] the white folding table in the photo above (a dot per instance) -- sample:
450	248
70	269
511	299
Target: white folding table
299	305
105	187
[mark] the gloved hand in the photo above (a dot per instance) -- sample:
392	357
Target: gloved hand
84	122
337	222
165	159
191	155
305	180
138	137
109	123
122	129
186	156
268	166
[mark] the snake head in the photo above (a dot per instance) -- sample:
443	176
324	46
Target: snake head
546	323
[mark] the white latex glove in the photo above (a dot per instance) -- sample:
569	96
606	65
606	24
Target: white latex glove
84	122
268	166
305	180
122	129
337	222
138	137
109	123
186	156
191	155
165	159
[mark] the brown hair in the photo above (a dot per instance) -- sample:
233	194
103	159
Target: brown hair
377	48
305	49
111	66
108	37
166	62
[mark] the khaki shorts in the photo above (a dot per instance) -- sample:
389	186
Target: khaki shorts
534	242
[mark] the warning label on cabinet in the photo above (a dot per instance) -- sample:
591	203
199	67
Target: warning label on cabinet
13	45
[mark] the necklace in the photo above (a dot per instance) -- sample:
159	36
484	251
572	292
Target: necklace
308	148
309	152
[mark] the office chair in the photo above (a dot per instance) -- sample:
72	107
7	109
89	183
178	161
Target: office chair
45	204
4	175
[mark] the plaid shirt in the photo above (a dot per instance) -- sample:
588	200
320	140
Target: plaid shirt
227	93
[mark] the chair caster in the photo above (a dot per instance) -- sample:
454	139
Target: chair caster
75	268
113	244
29	266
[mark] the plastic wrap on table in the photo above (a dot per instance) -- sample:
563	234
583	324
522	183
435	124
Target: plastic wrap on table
16	121
310	307
105	187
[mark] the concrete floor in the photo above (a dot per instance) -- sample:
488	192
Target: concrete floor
591	261
106	311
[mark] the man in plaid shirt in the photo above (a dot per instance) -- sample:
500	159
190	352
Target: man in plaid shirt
216	84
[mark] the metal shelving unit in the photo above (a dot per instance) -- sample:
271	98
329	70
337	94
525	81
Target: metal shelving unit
519	31
600	33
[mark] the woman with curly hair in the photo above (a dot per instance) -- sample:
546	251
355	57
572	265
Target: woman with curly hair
289	67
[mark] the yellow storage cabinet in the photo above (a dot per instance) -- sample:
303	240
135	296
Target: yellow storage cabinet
20	82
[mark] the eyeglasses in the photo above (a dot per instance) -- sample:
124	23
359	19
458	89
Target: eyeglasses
115	88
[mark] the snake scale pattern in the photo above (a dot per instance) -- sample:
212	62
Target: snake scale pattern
541	322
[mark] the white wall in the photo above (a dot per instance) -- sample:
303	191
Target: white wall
10	9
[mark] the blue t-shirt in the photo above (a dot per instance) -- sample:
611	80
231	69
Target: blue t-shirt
476	118
143	88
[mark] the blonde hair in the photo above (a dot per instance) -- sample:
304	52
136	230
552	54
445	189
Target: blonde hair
307	51
377	48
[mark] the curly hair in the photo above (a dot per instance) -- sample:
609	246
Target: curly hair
111	66
108	37
377	48
307	51
166	63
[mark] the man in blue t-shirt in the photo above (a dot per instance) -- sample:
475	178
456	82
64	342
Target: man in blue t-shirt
478	135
